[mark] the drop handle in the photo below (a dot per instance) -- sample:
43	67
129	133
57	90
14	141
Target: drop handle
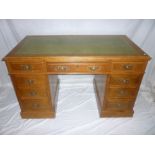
62	68
35	105
119	105
32	93
122	106
93	68
30	81
26	67
122	92
124	81
128	67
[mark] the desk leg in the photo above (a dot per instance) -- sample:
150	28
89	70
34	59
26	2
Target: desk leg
100	87
54	89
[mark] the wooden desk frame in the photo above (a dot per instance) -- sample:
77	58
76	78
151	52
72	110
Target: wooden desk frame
38	99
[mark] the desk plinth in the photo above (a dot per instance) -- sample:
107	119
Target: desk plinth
36	57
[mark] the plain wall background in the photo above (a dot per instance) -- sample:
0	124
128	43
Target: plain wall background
142	32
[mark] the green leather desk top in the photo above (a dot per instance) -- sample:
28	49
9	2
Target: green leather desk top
77	45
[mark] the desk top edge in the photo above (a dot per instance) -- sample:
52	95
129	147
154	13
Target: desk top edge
141	54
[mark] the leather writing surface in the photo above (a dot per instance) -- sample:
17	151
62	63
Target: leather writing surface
76	46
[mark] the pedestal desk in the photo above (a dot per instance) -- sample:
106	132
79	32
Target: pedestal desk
114	56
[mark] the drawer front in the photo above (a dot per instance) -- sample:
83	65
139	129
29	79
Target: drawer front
122	92
120	100
127	67
32	93
119	106
129	80
29	81
35	104
25	67
81	68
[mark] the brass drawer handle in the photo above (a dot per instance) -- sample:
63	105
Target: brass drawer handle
122	92
26	67
93	68
119	105
124	81
29	81
128	67
33	93
122	106
35	105
62	68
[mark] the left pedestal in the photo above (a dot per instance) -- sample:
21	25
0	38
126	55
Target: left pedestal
36	94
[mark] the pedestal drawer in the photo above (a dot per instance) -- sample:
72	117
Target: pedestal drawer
120	100
32	93
29	81
122	92
35	104
119	106
129	80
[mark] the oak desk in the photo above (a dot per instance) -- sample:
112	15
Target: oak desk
116	57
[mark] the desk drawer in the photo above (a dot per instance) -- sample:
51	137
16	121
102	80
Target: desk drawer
32	93
29	81
127	67
90	68
120	100
122	92
25	67
35	104
129	80
119	106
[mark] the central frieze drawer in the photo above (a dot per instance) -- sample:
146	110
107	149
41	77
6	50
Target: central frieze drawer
80	68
